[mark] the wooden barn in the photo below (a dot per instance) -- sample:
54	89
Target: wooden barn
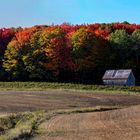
119	77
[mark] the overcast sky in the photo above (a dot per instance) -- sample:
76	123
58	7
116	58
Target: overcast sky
26	13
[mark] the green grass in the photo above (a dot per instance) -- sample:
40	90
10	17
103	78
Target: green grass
20	126
67	86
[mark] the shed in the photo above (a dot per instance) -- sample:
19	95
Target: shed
119	77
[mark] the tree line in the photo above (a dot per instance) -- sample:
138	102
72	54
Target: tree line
68	53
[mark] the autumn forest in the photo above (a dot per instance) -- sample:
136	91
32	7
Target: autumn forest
69	53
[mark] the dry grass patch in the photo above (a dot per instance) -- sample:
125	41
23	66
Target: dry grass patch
20	126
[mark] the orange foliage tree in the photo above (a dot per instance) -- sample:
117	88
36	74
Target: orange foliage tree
71	53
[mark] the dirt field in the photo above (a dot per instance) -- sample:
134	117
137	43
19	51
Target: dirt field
120	124
18	101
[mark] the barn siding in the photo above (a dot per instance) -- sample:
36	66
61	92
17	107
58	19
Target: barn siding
115	82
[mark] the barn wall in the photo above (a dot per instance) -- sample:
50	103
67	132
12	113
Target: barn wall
131	80
115	82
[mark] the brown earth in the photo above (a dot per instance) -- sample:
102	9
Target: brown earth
121	124
18	101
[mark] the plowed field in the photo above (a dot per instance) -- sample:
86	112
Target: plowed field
18	101
119	124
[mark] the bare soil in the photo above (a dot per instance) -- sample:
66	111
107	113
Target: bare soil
121	124
19	101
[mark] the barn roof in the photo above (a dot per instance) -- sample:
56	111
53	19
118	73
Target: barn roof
117	74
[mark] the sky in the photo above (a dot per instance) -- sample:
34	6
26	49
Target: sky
27	13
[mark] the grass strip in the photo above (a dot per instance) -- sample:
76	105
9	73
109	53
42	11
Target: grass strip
24	126
67	86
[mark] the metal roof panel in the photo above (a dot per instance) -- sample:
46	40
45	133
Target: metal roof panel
117	74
